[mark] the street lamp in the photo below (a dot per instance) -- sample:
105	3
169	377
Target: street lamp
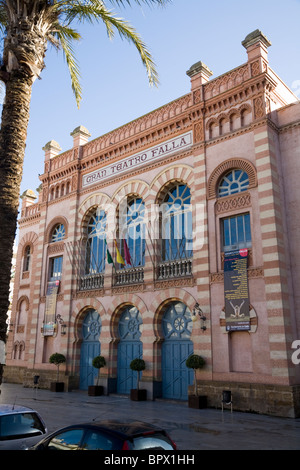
197	311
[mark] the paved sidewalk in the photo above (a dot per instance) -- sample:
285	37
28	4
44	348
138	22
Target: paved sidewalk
191	429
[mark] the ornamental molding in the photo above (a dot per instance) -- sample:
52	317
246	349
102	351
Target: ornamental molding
59	297
253	273
289	127
123	135
226	115
128	289
30	238
226	82
167	284
137	161
173	158
56	248
230	203
88	293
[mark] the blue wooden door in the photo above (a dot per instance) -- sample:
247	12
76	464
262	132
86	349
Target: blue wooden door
129	348
90	348
176	348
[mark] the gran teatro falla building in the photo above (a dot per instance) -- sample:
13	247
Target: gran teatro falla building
177	233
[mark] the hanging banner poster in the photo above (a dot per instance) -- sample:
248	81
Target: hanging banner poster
236	290
50	309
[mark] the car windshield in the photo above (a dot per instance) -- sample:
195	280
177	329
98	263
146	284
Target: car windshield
152	441
17	425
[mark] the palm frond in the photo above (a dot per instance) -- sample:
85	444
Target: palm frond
96	11
3	17
139	2
126	31
66	36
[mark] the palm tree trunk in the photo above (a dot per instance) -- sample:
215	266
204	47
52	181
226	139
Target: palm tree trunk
13	133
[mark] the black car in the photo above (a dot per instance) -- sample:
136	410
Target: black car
108	435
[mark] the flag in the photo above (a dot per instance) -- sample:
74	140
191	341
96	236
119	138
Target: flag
108	255
119	257
126	252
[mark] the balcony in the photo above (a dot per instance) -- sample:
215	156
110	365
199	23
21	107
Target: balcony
174	269
91	281
129	276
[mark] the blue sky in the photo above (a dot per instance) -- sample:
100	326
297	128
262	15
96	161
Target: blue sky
115	84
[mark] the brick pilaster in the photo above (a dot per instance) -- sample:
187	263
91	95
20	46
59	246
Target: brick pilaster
274	251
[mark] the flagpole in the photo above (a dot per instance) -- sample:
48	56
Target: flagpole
109	257
151	244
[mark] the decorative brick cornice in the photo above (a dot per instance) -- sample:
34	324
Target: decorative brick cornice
56	248
253	273
229	203
184	282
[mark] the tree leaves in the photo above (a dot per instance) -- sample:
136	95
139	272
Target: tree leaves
51	21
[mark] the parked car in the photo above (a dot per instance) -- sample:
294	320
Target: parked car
108	435
20	427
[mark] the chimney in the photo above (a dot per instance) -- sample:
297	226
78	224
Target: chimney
80	136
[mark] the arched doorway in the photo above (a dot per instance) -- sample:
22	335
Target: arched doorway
129	348
176	348
90	348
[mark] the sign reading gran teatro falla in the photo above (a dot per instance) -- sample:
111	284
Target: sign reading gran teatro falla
158	152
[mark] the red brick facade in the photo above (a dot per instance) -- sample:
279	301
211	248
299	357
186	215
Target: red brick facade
246	119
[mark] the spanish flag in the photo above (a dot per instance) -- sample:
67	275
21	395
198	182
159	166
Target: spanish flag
119	257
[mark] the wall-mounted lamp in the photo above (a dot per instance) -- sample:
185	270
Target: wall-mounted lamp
197	311
63	326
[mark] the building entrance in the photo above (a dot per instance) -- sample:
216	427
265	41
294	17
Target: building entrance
130	347
90	348
176	348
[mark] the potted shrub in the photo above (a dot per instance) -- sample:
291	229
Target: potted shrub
97	390
196	362
137	394
57	359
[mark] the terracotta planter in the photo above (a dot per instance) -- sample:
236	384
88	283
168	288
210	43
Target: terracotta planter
95	390
197	401
57	386
138	395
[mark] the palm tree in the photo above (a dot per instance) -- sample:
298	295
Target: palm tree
27	27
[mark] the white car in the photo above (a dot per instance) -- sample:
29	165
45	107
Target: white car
20	427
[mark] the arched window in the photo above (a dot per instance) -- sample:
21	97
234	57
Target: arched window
132	230
96	243
235	181
58	233
22	313
27	256
236	229
176	224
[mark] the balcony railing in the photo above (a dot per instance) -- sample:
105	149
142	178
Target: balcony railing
173	269
91	281
122	277
129	276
